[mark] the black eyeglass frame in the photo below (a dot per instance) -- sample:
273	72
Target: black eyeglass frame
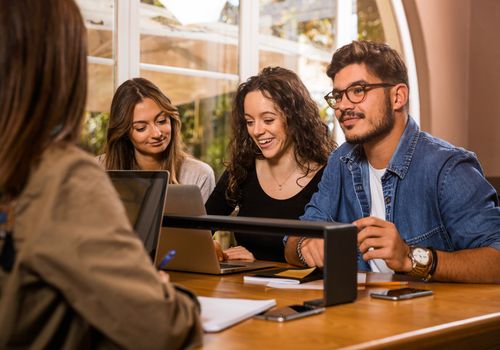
333	102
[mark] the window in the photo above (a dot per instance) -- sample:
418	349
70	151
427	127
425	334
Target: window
190	50
197	52
99	17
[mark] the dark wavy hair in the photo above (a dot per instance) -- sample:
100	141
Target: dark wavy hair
380	59
43	83
306	131
119	149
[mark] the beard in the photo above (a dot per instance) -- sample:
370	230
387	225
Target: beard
379	130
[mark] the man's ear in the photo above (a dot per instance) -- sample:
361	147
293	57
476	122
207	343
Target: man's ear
399	96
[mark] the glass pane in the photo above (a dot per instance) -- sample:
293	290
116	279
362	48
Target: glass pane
99	20
201	35
370	25
205	106
100	94
300	36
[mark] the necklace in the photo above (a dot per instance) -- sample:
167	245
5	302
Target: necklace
280	185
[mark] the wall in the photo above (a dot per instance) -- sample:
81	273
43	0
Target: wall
484	85
457	56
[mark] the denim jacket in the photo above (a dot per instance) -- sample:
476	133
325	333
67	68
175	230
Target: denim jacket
434	193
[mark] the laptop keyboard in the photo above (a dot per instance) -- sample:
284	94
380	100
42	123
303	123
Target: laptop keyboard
228	266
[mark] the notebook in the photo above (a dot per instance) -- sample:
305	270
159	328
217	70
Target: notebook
143	194
218	314
195	251
285	276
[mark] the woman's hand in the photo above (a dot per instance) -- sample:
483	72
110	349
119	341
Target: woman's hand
238	253
164	277
218	249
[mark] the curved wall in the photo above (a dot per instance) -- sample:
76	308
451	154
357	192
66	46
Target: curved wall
458	62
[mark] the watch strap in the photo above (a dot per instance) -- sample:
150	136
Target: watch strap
418	270
433	267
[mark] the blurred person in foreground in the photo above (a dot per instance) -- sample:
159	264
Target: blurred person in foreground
73	274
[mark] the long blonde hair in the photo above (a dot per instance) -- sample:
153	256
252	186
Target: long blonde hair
119	149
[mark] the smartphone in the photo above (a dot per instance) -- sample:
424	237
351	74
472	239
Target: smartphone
291	312
401	294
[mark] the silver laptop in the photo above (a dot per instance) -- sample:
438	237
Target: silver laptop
195	251
143	194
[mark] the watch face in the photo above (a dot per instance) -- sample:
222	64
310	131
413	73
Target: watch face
421	255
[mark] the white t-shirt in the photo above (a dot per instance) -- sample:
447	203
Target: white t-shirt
378	210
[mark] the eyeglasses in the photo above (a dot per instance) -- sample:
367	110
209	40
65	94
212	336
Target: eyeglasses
355	93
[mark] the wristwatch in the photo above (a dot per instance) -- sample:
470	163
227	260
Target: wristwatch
423	262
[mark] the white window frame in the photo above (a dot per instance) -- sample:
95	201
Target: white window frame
127	46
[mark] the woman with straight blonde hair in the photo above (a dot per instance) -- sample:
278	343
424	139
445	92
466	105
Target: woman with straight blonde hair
144	132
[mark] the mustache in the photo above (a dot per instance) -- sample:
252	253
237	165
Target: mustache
350	113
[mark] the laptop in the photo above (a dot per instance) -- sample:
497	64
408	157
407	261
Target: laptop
195	251
143	194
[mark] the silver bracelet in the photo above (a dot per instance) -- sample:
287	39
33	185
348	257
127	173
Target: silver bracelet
299	252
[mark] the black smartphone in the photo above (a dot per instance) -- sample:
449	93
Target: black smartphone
290	312
401	294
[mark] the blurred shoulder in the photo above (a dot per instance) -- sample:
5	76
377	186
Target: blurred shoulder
62	165
61	157
101	160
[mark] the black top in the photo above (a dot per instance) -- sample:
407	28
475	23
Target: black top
255	202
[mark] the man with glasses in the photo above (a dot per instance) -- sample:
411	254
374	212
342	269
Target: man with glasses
421	205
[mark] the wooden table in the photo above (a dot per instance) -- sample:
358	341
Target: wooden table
458	316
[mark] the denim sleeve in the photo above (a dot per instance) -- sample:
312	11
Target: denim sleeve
468	204
324	202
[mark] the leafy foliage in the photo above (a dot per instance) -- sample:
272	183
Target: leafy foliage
93	136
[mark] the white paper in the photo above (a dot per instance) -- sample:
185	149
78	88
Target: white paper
266	280
315	285
219	313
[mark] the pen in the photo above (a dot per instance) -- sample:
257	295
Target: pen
386	283
167	258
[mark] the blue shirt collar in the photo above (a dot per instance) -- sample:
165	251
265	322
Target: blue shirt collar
401	159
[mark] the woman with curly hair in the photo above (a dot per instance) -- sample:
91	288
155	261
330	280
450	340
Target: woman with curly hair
144	133
277	153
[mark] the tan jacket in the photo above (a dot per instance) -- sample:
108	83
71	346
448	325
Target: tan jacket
82	278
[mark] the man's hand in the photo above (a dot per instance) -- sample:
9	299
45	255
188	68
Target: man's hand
387	244
313	251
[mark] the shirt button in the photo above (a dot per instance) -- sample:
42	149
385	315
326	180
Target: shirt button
387	200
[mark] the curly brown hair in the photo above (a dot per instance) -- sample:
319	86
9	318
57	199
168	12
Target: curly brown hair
307	132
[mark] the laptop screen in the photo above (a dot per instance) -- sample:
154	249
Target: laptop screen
143	195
